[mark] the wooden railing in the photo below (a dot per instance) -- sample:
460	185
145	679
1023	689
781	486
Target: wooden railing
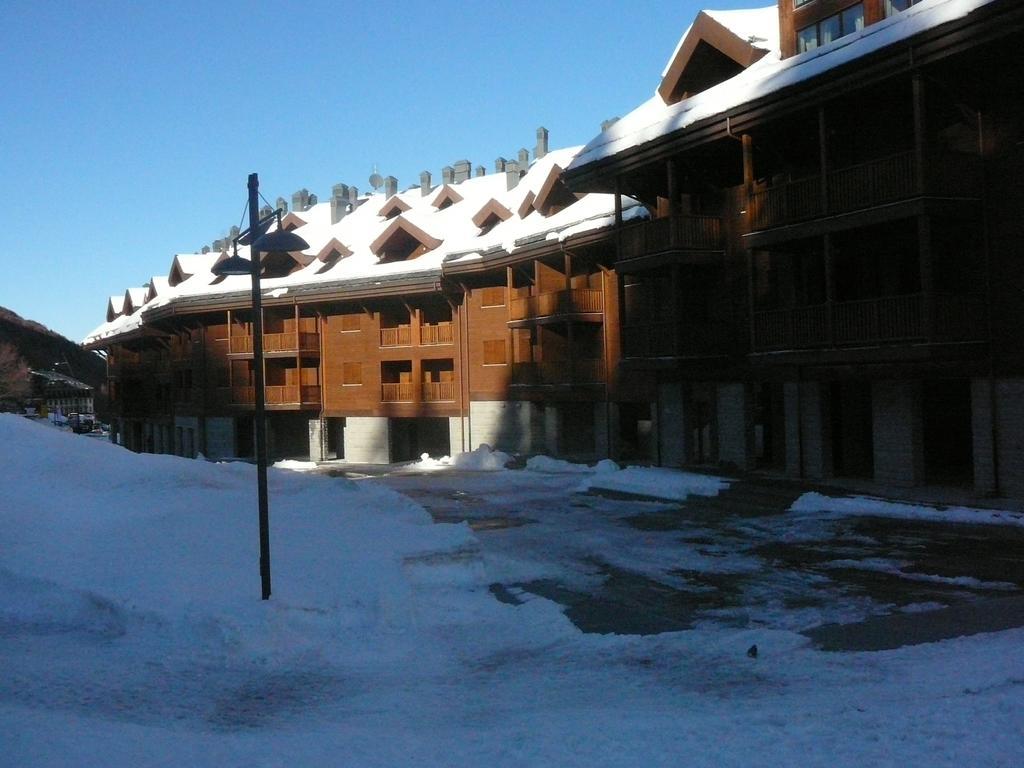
438	391
702	233
558	372
574	301
875	182
400	392
289	394
399	336
439	333
277	342
681	339
883	320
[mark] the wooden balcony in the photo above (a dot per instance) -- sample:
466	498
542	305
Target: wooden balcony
275	343
398	336
682	233
577	301
291	394
869	322
877	182
438	333
396	392
560	372
438	391
677	339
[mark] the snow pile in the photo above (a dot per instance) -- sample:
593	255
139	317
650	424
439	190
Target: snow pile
867	506
93	533
295	465
483	459
554	466
670	484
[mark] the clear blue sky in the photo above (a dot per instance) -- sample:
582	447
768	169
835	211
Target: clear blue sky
127	130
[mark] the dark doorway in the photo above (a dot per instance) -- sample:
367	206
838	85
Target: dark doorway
577	429
948	449
244	441
769	427
411	438
635	432
853	452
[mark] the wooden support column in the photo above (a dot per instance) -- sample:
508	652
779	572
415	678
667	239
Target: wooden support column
823	158
920	132
673	199
677	315
830	288
748	162
924	237
567	266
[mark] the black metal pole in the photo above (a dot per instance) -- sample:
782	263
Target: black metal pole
257	362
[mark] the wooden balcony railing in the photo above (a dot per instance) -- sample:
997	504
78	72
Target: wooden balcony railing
438	391
575	301
290	394
398	392
277	342
700	233
438	333
876	182
399	336
558	372
677	339
884	320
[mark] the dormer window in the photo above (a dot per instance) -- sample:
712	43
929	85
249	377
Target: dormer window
490	216
833	27
402	241
395	206
331	254
292	222
446	198
553	196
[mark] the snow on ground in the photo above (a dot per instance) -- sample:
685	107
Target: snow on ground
131	634
657	483
860	506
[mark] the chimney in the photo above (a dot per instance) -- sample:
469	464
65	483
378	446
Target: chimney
511	175
499	165
524	159
205	249
339	202
480	171
462	170
448	175
353	196
282	204
390	186
265	211
542	143
425	183
312	201
233	233
606	124
300	200
218	245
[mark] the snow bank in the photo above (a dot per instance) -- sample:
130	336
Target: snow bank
554	466
295	466
483	459
670	484
872	507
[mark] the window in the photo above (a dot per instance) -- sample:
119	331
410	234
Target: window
495	352
492	297
798	3
350	322
351	374
895	6
831	28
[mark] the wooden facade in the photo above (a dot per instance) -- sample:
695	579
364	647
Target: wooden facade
827	283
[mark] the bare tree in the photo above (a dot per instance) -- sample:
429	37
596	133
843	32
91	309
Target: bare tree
14	383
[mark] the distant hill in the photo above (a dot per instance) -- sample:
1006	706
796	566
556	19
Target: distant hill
43	349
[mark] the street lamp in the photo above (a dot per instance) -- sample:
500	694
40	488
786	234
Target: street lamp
262	241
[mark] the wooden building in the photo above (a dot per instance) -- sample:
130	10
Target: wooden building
800	256
831	284
480	310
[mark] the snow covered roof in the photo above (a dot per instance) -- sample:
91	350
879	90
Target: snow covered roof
737	37
54	380
451	233
654	118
